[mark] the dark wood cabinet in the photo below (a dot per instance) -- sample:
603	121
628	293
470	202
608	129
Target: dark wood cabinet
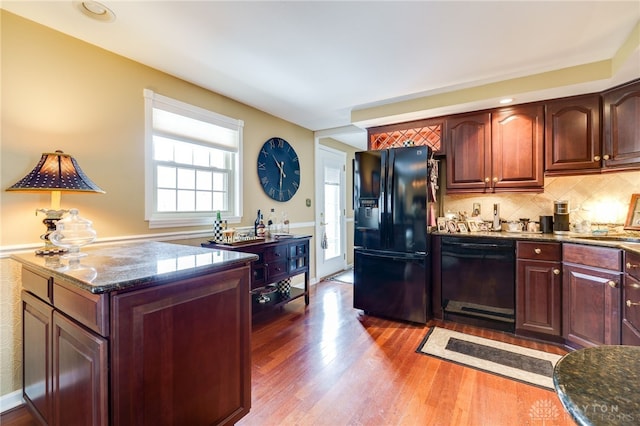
80	374
591	283
517	139
496	151
174	351
621	116
278	259
539	289
37	352
630	334
164	337
572	135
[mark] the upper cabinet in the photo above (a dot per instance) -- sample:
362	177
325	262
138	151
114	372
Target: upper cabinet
496	151
414	133
572	135
621	114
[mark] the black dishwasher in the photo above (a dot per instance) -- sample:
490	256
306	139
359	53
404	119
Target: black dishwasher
478	281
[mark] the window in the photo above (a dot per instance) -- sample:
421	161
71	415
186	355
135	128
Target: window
192	159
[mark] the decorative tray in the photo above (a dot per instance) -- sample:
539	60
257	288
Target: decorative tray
239	242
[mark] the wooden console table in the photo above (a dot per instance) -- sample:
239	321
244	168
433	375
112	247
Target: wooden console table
278	259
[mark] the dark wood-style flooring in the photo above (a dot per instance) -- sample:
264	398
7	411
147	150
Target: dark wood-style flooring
329	364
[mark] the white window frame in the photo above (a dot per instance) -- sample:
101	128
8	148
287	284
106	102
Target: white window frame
178	219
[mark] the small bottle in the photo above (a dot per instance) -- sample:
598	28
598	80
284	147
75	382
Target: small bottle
260	229
271	222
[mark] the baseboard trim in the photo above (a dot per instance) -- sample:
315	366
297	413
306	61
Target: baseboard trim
11	400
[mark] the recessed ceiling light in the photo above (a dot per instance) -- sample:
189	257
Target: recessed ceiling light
506	100
95	10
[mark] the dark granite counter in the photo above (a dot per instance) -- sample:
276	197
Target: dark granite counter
114	267
600	385
558	238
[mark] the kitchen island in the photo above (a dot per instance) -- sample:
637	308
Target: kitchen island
599	386
140	333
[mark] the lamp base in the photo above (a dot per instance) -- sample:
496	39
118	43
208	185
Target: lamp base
52	217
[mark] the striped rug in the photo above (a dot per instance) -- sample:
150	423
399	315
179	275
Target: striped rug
504	359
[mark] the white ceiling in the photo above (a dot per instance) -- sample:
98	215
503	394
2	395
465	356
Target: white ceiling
312	63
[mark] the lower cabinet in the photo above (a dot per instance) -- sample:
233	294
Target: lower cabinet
538	288
174	352
630	334
592	282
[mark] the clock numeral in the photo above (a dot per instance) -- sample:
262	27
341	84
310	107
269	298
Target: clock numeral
281	196
280	143
295	160
264	180
272	192
296	184
289	192
297	172
272	144
263	166
265	153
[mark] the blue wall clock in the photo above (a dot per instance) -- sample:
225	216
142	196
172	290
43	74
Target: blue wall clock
278	169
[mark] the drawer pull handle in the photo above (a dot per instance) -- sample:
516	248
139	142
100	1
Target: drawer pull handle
612	284
537	251
556	271
596	158
631	265
606	157
630	303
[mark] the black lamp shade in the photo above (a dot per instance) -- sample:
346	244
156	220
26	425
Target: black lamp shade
56	172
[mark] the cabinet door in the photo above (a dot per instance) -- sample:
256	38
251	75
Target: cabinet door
622	126
36	356
591	306
469	153
572	134
517	147
631	312
538	297
80	374
181	339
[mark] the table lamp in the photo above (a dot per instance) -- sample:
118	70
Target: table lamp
55	172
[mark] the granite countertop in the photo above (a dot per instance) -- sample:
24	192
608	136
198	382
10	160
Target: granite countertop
558	238
118	266
600	385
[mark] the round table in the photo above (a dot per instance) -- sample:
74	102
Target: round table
600	385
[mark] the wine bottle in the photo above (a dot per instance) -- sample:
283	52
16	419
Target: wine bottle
255	224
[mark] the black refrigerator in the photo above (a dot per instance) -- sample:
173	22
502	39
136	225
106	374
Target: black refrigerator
391	242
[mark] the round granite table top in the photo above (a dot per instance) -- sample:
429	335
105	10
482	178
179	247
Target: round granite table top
600	385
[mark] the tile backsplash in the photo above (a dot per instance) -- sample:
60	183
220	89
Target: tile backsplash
598	198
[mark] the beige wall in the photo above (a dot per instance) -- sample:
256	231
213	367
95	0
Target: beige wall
62	93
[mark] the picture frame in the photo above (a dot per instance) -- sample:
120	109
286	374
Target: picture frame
633	216
462	227
451	226
442	224
473	226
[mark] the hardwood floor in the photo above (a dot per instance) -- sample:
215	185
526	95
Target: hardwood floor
329	364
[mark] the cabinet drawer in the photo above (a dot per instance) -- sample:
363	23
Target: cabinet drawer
598	257
276	269
278	252
89	309
632	264
539	250
38	285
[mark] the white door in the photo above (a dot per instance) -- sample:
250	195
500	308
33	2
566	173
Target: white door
330	211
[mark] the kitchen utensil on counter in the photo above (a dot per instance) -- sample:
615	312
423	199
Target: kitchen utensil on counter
560	217
546	224
533	227
514	226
